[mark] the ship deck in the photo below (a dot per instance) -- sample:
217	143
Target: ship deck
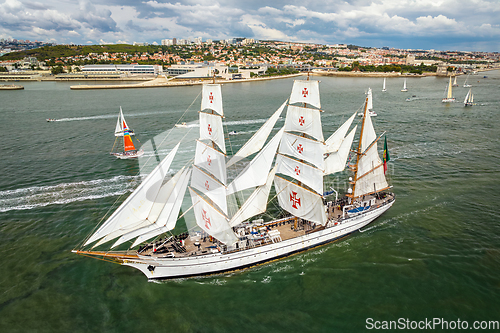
252	235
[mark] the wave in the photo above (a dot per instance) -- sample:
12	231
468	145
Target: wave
41	196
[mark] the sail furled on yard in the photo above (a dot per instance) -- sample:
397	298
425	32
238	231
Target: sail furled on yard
134	212
211	220
257	140
299	201
165	217
211	98
305	91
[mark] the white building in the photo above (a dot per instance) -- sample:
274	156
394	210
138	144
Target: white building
124	69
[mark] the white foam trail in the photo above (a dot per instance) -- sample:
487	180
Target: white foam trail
109	116
41	196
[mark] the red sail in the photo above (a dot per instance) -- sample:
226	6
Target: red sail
127	142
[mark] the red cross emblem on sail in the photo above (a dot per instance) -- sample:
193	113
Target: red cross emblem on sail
207	186
302	121
300	149
211	98
297	170
209	160
209	130
305	92
205	218
294	200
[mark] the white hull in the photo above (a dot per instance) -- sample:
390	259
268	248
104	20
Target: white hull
448	100
167	268
124	156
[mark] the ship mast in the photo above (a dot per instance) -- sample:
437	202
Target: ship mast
358	153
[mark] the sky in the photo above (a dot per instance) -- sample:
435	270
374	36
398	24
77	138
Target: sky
463	25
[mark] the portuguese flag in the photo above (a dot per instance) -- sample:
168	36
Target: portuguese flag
386	155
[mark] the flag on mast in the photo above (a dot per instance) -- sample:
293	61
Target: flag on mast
386	155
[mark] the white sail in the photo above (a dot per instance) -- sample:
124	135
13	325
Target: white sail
121	124
209	186
383	87
303	149
305	92
369	99
299	201
449	95
134	211
174	191
211	160
466	100
211	98
256	202
304	120
336	161
255	173
368	132
257	141
370	175
211	129
168	217
335	140
211	220
305	173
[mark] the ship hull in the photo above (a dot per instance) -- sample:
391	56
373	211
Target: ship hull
218	263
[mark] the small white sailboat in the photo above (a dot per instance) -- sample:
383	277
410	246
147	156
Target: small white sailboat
122	130
469	98
455	84
466	85
383	86
227	236
369	101
404	87
449	96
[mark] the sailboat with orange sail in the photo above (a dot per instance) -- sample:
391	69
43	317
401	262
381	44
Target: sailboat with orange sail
122	130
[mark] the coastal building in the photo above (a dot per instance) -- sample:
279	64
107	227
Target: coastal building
132	69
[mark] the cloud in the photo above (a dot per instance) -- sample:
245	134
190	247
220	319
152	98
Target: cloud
380	22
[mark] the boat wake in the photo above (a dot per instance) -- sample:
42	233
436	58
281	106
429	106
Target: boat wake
41	196
106	116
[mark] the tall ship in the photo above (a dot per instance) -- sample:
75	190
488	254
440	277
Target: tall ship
273	207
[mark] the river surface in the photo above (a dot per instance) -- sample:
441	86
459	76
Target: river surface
434	254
